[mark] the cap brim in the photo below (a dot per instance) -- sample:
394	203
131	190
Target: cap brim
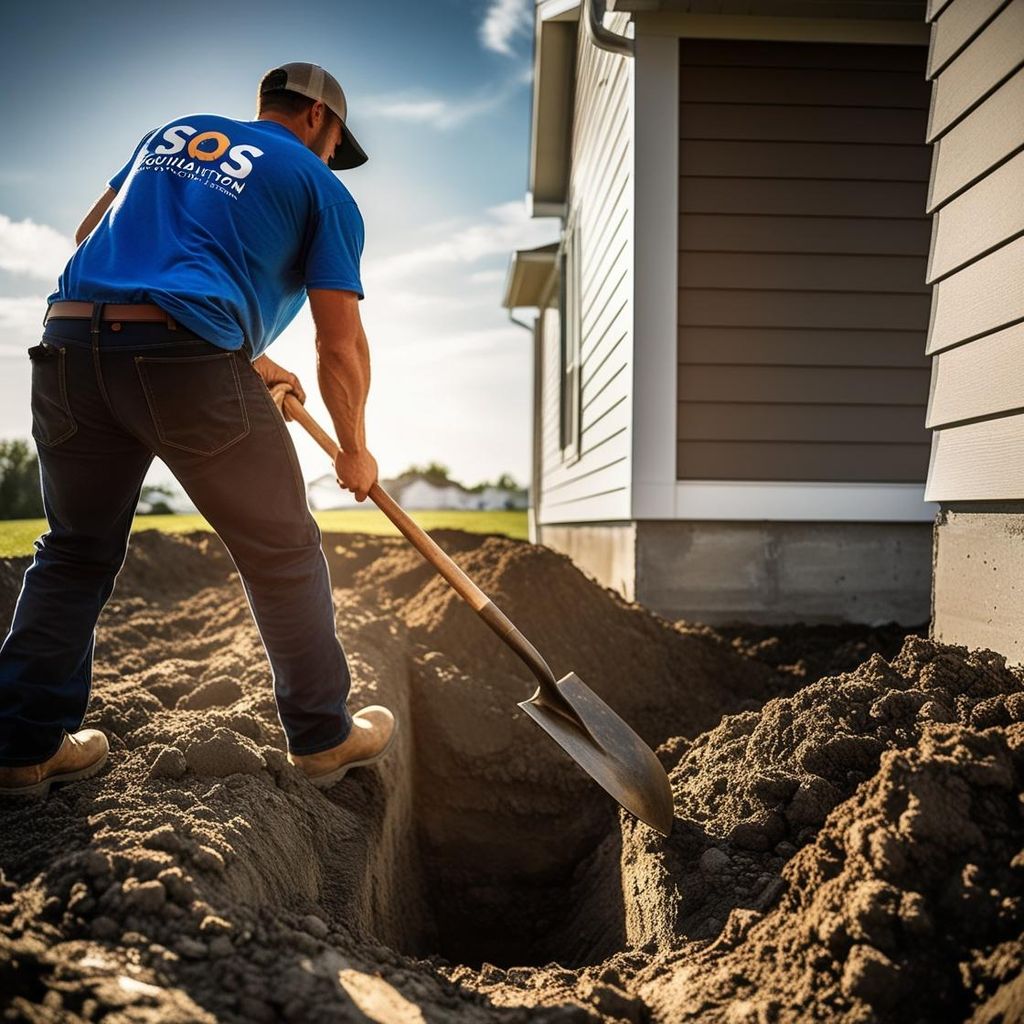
348	153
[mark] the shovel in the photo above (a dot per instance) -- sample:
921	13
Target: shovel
582	724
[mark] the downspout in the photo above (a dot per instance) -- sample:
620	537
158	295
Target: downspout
601	37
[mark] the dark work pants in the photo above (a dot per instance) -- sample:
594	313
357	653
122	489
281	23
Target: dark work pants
104	401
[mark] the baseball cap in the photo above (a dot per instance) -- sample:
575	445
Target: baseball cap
313	81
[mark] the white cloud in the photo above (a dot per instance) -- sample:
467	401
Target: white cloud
21	324
442	112
505	227
36	250
488	277
504	20
398	109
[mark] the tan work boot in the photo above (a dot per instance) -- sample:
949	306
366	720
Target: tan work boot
373	733
80	756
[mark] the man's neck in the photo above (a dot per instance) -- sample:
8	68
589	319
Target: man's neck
281	119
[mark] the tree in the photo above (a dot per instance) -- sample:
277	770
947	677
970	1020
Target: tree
152	503
20	497
435	472
507	482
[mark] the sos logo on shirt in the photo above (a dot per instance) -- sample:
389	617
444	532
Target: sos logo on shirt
202	149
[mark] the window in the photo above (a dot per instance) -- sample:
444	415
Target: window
569	323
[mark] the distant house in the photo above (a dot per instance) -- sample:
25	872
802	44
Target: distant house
416	491
502	498
731	379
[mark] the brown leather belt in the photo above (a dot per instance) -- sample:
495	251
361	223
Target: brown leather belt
137	311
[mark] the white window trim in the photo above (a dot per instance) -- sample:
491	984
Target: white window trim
794	500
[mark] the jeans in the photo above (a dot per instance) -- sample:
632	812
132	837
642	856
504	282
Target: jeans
106	399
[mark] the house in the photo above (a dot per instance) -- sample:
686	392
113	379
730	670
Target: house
731	337
417	491
492	497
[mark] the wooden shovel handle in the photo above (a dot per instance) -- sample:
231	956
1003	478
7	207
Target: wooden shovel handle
428	548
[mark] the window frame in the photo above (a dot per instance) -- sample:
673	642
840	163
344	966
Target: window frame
570	316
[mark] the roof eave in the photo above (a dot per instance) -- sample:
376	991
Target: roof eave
529	275
550	122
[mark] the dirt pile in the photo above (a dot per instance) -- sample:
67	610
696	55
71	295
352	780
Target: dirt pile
836	850
907	906
902	782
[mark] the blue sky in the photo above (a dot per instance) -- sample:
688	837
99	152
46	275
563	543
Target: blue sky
439	97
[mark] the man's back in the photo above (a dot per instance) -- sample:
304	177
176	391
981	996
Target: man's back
224	224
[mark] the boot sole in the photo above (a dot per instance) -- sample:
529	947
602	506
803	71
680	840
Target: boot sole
328	779
42	789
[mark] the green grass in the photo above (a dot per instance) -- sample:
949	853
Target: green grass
16	535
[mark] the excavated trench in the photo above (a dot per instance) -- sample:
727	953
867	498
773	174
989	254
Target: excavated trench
483	843
506	833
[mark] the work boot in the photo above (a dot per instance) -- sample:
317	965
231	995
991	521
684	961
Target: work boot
80	756
373	732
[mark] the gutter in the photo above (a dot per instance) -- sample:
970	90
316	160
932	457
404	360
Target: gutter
601	37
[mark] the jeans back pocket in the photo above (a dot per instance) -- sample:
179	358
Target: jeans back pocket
52	420
196	401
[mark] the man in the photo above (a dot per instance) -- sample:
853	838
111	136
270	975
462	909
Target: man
198	255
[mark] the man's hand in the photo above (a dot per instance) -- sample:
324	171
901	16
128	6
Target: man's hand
356	472
273	374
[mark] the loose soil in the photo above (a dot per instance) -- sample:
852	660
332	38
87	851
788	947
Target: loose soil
848	842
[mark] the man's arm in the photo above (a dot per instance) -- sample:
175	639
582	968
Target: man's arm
343	371
92	218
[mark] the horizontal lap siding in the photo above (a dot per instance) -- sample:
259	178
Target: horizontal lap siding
952	32
596	485
985	138
976	264
980	220
803	305
967	80
798	421
811	460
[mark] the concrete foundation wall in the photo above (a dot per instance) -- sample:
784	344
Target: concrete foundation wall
760	572
979	579
718	572
606	551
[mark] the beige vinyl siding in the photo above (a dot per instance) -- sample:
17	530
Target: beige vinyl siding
980	220
992	56
978	461
803	243
979	298
982	140
977	380
976	196
953	32
595	485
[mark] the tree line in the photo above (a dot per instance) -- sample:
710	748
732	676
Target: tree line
20	497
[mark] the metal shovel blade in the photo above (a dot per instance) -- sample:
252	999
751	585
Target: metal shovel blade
612	755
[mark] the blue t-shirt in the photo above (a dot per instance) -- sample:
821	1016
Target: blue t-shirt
223	224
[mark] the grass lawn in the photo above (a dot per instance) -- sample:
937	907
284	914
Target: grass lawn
16	535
